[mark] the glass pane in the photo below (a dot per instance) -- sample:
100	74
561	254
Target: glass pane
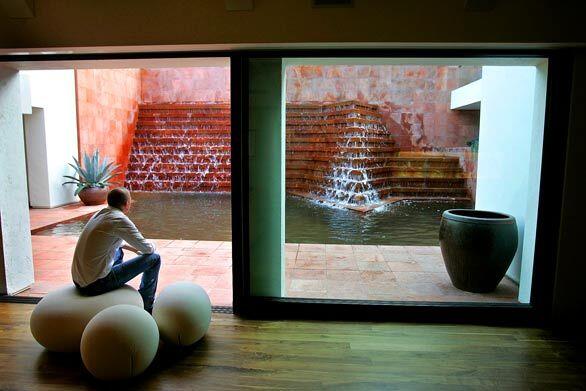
266	176
376	152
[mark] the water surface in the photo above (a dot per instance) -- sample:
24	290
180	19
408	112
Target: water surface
207	216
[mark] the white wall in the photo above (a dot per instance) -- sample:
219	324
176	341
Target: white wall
16	260
509	155
54	92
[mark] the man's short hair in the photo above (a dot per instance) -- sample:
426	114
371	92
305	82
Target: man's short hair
118	197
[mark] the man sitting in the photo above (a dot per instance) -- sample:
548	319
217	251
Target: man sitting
97	263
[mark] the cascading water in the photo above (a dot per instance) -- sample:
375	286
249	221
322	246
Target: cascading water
181	147
344	137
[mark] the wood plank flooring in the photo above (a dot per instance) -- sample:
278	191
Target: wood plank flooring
242	354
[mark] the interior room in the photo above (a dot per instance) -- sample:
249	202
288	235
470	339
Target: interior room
347	194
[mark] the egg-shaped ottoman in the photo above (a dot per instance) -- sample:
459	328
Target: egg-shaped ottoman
58	320
119	343
183	312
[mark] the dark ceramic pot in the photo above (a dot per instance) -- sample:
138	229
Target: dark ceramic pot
478	247
93	195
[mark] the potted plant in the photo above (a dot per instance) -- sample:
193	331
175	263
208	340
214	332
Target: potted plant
477	247
93	178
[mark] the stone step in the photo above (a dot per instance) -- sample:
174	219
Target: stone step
184	122
310	131
291	113
436	192
171	158
333	121
181	186
332	106
379	183
179	176
294	139
174	150
340	151
184	106
377	172
321	158
181	144
168	114
194	139
181	132
177	167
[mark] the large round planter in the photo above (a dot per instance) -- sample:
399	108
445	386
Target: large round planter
93	195
478	247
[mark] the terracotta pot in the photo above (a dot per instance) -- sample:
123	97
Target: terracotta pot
93	195
478	247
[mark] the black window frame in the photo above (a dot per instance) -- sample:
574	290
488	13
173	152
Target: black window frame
549	207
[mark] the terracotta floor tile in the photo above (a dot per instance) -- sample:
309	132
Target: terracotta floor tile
308	295
212	261
423	250
397	257
312	247
308	285
306	274
207	281
340	257
379	266
377	276
208	244
404	266
197	252
291	247
408	278
222	253
366	249
369	257
290	263
208	270
160	243
345	264
346	289
311	256
339	248
351	272
310	264
225	245
343	275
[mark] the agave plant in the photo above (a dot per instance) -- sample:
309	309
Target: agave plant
93	173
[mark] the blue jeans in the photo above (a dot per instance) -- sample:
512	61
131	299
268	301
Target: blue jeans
122	272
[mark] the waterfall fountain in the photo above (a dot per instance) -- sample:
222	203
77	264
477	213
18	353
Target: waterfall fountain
181	147
342	154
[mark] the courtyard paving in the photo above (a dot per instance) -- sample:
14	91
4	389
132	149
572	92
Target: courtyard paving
330	271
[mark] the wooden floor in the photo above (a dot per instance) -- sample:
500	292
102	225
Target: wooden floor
243	354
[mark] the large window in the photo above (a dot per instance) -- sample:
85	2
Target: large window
372	152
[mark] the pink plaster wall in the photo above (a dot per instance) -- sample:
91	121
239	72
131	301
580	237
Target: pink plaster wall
107	112
175	85
414	100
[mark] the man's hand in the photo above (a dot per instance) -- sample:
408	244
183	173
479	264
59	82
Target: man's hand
130	248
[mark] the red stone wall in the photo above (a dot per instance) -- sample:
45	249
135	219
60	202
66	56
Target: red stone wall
414	100
186	85
107	111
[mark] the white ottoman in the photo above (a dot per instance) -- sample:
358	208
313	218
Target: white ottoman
119	343
58	320
183	312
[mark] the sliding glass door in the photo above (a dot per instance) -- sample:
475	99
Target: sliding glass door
354	161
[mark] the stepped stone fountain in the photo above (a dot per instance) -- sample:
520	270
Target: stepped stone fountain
181	147
341	153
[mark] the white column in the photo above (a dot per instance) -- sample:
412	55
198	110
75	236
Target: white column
509	155
16	260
